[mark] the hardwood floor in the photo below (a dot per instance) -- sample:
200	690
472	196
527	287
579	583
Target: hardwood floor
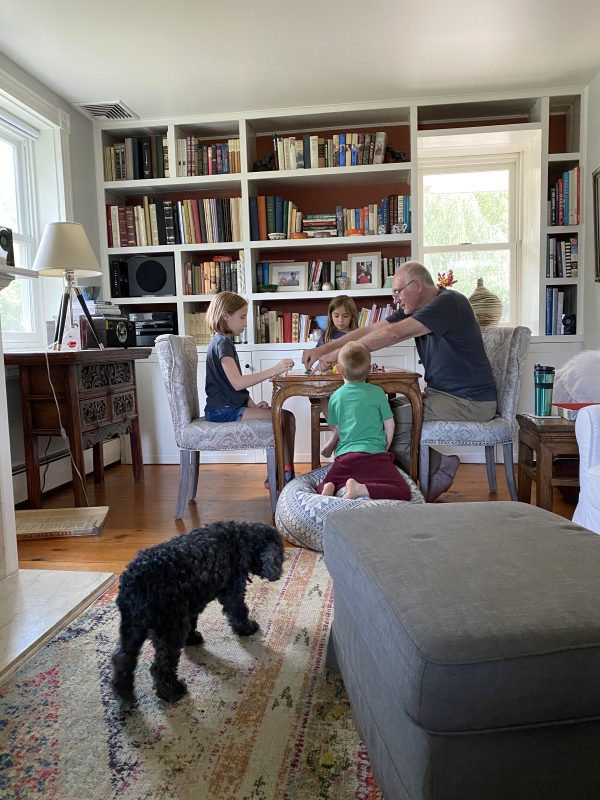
143	514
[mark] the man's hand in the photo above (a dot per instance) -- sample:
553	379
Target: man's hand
263	404
310	357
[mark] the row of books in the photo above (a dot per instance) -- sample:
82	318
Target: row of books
137	157
559	301
273	327
564	194
367	316
156	221
562	257
197	325
288	326
275	214
195	158
219	274
346	149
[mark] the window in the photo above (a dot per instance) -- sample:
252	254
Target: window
19	302
469	214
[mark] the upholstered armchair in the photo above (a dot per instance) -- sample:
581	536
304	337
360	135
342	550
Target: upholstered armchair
506	349
587	431
178	361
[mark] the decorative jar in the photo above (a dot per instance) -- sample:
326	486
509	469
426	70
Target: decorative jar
486	305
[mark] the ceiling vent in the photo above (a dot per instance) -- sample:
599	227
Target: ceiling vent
110	109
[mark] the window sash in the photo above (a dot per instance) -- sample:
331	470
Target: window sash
449	166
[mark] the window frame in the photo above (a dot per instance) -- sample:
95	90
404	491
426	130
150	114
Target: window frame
26	233
479	163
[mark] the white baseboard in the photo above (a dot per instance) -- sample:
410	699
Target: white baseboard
59	471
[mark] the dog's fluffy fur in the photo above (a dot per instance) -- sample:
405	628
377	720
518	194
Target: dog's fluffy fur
166	587
578	381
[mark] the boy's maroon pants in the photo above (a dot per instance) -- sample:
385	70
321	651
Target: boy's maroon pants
375	470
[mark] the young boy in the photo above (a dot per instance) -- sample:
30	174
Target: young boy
363	427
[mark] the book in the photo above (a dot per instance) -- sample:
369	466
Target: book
254	227
381	141
261	201
56	523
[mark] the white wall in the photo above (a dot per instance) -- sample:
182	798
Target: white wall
592	289
81	149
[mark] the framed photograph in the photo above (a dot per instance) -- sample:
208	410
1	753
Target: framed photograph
596	197
291	276
365	270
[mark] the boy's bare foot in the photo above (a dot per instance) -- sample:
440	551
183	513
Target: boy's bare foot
328	449
355	490
329	489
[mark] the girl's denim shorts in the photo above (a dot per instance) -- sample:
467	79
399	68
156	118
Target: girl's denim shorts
226	414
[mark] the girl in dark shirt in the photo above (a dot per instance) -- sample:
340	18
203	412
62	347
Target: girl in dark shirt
227	396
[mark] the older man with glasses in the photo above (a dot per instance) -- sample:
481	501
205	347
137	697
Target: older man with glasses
460	384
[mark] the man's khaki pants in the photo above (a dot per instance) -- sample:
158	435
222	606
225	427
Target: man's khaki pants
438	406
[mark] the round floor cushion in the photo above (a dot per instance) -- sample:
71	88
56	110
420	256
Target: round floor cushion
301	512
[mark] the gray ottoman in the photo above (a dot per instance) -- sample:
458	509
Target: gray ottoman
468	638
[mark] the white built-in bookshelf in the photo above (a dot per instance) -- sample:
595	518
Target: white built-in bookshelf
211	221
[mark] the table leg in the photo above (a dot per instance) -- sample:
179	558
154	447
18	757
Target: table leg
524	478
137	460
32	467
315	433
278	433
98	462
544	478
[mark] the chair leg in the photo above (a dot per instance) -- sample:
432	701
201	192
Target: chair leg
193	483
509	470
424	468
490	463
272	476
184	479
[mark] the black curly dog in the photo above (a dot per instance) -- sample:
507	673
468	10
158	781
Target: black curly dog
166	587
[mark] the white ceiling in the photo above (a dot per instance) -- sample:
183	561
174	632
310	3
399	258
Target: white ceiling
167	58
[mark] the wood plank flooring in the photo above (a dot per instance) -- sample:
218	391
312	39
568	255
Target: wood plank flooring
143	514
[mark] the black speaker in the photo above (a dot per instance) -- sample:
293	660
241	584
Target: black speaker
119	278
6	247
142	276
151	275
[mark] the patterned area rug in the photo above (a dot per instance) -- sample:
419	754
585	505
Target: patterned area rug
263	720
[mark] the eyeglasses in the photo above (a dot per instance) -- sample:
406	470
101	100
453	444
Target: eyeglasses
398	292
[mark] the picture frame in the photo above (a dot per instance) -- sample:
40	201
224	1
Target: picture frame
289	276
596	203
365	270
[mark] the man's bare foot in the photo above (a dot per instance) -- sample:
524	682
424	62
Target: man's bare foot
355	490
328	449
329	489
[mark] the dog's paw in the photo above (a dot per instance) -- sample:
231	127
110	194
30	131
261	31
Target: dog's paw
124	689
171	691
246	628
194	638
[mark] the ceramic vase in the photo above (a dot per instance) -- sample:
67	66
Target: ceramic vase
486	305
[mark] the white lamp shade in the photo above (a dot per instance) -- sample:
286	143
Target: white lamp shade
65	246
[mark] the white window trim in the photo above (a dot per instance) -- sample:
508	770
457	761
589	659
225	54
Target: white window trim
51	165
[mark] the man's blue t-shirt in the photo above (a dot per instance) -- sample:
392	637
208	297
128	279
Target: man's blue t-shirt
453	354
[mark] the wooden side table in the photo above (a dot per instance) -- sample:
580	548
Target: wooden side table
547	437
95	391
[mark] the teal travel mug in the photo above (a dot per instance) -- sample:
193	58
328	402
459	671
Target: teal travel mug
543	378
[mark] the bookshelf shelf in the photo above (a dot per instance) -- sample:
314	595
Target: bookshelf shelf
332	176
318	242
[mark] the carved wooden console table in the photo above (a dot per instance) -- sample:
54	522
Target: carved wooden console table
96	394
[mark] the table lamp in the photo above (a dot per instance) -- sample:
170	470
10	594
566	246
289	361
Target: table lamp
65	251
